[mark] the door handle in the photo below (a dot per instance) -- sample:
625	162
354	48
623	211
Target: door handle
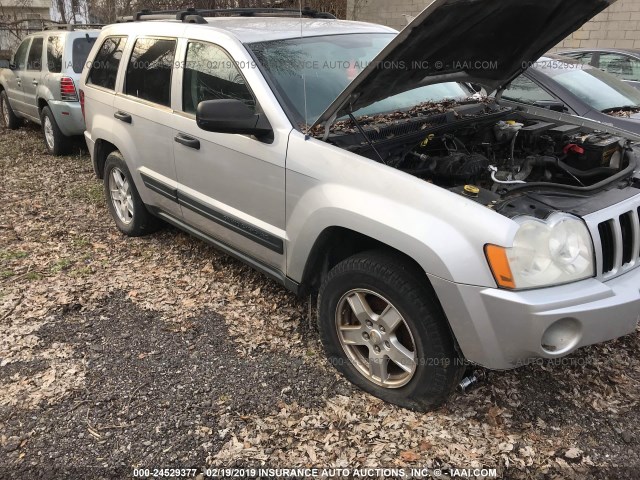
34	83
123	117
189	142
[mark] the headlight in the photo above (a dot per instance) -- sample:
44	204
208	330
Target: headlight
544	253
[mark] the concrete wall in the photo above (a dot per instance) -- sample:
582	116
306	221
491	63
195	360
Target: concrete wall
388	13
618	26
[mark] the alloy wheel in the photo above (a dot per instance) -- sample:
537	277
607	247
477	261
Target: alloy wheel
376	338
5	112
120	193
48	132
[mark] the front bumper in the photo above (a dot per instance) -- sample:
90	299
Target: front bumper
68	116
500	329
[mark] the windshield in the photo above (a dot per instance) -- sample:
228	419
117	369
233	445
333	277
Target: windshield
600	90
328	64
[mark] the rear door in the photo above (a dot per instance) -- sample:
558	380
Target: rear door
14	87
100	86
32	76
143	114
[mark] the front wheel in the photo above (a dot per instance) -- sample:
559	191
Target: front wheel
384	330
9	119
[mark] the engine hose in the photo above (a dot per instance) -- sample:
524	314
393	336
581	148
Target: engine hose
595	172
633	164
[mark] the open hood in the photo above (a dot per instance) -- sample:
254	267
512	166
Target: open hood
488	42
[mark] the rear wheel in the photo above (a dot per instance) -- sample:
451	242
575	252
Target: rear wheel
123	201
57	143
7	116
384	330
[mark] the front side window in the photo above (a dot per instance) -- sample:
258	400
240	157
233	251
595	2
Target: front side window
55	46
210	74
621	66
149	70
526	91
34	60
20	58
104	68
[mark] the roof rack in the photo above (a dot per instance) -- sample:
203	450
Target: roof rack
73	26
192	15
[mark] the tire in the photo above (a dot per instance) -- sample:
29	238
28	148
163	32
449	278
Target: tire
56	142
132	217
396	293
7	116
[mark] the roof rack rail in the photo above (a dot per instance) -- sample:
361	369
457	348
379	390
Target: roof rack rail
193	15
73	26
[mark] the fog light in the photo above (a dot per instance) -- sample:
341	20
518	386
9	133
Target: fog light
562	336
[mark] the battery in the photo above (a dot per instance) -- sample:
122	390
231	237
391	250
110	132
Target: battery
599	150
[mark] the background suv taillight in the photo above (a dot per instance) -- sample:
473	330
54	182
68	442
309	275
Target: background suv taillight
82	103
68	90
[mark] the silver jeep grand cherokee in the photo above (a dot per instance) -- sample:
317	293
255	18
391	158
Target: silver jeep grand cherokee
41	84
439	228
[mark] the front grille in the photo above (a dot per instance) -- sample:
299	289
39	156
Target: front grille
619	243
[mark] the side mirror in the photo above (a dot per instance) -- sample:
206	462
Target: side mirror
231	116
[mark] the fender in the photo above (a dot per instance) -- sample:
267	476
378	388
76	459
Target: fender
443	232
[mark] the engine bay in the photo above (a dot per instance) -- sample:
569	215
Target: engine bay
486	151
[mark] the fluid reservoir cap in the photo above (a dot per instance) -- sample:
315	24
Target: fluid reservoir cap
471	190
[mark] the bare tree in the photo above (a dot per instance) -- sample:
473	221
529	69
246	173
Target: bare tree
356	8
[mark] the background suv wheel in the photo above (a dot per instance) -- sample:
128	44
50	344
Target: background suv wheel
7	117
383	328
123	201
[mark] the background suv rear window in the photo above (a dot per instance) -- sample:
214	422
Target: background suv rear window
149	70
104	68
80	51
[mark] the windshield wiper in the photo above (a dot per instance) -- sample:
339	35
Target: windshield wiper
622	108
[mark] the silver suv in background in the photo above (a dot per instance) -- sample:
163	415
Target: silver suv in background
41	83
436	226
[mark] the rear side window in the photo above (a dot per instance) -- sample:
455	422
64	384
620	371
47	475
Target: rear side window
80	51
210	74
149	70
34	60
55	47
526	91
20	58
104	68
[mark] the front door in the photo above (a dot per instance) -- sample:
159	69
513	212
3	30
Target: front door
14	87
231	187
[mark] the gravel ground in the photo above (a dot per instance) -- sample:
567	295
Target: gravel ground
118	353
